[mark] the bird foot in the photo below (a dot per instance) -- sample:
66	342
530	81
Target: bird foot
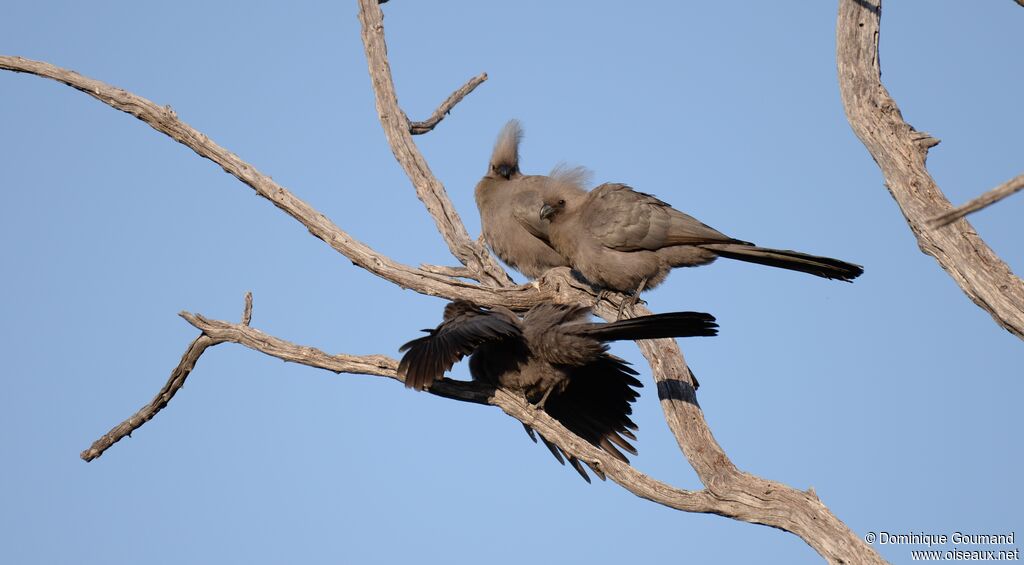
629	301
622	307
632	299
543	399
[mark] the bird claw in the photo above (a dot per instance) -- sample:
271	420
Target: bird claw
543	399
622	306
631	301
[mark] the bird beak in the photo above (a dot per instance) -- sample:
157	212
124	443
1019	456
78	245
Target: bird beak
546	212
505	171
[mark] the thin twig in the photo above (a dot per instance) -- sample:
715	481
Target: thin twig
419	128
984	201
247	310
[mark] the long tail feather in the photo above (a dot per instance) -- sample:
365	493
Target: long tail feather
826	267
671	324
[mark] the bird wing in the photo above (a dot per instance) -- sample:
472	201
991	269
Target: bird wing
596	405
466	327
623	219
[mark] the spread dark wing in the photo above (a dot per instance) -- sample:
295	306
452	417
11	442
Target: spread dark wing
465	328
626	220
596	406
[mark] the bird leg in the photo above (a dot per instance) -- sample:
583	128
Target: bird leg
632	299
543	399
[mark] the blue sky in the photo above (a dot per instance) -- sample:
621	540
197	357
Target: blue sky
895	397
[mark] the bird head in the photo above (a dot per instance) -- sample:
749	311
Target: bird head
504	170
550	210
505	158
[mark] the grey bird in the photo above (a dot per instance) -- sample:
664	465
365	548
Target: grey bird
508	202
624	240
556	357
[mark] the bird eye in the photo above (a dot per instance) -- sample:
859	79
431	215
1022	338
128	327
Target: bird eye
561	202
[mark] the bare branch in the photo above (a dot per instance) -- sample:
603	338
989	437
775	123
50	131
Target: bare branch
162	398
164	120
397	130
984	201
901	152
512	404
738	494
419	128
732	494
252	338
159	402
458	272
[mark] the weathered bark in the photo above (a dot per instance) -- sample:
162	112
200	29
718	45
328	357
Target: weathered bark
901	152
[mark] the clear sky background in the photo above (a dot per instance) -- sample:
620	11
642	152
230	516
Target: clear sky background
895	397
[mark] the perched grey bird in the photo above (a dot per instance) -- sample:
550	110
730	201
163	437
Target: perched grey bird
509	200
624	240
555	357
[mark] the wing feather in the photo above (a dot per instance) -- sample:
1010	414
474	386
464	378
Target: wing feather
597	403
465	328
626	220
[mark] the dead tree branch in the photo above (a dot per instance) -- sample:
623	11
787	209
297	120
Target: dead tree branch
729	491
166	121
984	201
397	130
513	405
756	500
900	152
159	402
419	128
162	398
215	332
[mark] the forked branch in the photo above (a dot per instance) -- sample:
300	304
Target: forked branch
397	130
166	121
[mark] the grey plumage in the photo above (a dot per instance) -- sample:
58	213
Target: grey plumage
555	357
625	240
509	200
